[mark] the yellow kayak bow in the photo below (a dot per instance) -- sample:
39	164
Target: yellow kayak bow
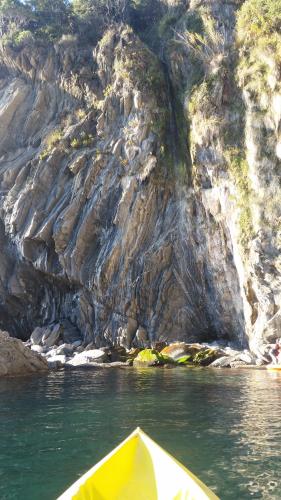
138	469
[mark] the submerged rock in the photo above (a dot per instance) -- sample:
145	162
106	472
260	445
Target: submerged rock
17	359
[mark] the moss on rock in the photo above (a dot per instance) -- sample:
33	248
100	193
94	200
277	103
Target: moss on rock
149	357
185	360
207	356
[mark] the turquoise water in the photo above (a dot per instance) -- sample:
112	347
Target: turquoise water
224	425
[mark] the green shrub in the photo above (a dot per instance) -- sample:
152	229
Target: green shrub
83	140
53	138
139	67
50	142
23	37
16	38
108	90
75	143
203	97
258	18
259	40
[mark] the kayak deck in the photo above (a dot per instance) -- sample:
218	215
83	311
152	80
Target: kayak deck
138	469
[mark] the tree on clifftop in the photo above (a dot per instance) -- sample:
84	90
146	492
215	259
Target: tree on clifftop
104	10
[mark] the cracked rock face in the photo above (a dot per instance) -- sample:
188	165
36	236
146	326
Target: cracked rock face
97	227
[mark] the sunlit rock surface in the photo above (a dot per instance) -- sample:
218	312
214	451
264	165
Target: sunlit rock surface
109	221
16	359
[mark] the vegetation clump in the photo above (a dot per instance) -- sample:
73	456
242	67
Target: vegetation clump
52	140
259	41
83	140
140	67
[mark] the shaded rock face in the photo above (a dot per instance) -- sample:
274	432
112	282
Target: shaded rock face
16	359
105	220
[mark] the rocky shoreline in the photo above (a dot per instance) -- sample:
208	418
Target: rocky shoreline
63	350
57	348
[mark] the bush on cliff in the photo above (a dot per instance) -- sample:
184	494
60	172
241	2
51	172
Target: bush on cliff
259	18
259	40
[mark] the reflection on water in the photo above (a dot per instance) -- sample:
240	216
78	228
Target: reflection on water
224	425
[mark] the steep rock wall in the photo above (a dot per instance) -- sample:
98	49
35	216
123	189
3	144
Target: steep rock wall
90	211
234	116
115	217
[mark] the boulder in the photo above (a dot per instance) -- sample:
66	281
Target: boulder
52	335
207	356
65	349
17	359
37	348
89	347
56	362
37	335
87	357
177	350
51	351
242	358
58	359
148	357
223	362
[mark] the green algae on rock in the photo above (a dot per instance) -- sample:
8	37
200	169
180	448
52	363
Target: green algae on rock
185	360
148	357
207	356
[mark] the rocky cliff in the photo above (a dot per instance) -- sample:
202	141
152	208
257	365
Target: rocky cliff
140	183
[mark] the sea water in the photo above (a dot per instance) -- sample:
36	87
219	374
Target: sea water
224	425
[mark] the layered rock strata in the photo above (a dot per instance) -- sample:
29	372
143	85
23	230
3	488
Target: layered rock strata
115	219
